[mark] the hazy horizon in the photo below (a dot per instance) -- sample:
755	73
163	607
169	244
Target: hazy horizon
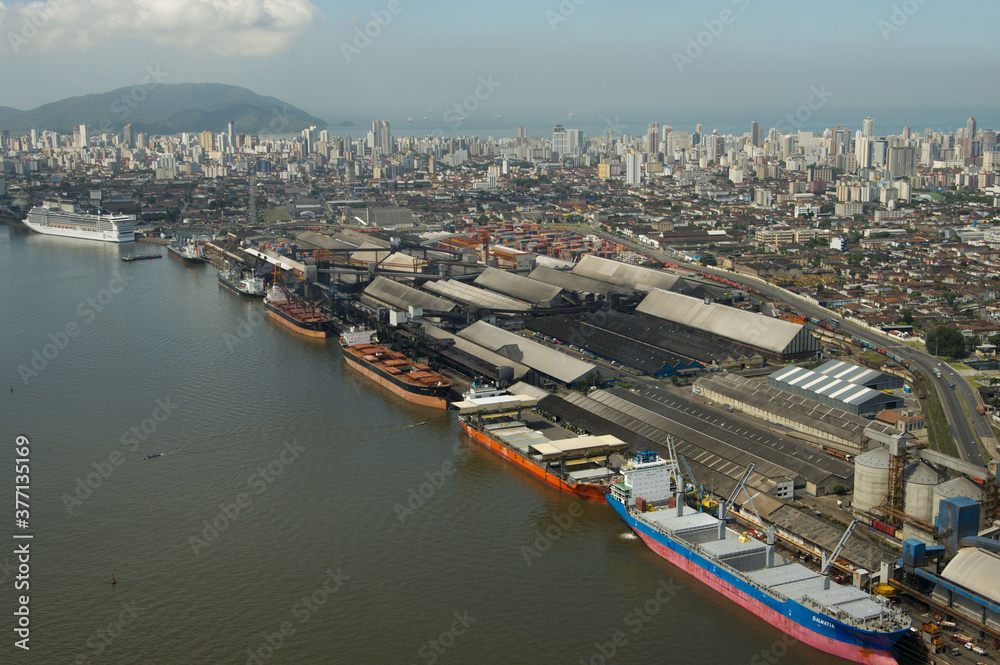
722	63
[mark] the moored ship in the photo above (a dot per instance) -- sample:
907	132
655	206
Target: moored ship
578	466
245	283
190	252
292	312
840	620
68	220
414	382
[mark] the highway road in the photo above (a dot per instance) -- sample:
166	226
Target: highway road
972	432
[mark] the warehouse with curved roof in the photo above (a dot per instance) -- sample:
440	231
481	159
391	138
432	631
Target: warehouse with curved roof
520	287
475	296
777	339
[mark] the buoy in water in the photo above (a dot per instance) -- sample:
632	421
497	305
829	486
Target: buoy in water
113	580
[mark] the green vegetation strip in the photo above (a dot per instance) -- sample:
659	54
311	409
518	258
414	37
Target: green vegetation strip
939	434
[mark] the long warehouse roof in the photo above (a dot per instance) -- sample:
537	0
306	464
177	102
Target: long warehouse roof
401	296
518	286
863	376
756	330
574	282
624	274
548	361
473	295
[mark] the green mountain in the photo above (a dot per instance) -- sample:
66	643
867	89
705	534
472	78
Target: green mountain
7	112
164	109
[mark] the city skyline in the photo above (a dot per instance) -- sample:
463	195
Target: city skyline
398	59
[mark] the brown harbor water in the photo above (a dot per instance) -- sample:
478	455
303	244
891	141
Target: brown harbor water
298	514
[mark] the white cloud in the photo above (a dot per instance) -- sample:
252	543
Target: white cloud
226	27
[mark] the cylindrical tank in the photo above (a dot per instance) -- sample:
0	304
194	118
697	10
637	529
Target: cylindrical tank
871	478
919	483
956	487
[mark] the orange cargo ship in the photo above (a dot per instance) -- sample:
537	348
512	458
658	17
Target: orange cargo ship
412	381
292	312
575	466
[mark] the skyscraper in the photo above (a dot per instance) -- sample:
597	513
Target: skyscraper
653	138
756	134
868	127
229	131
84	141
129	136
560	141
633	168
383	139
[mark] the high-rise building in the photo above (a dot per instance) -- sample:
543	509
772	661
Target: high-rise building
863	150
653	138
970	137
206	140
756	134
128	135
521	135
575	140
382	137
560	141
868	127
83	139
229	132
633	168
902	162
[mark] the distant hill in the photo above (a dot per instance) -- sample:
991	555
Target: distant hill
7	112
166	109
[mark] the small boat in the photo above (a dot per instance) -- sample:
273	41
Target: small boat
151	456
140	257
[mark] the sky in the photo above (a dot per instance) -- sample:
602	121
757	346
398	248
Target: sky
473	65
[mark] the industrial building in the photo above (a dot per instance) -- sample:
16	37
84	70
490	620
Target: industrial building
585	288
629	353
720	449
834	429
862	376
834	392
471	359
523	288
645	280
400	297
774	338
550	365
474	296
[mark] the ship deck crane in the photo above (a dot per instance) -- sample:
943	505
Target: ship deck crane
829	561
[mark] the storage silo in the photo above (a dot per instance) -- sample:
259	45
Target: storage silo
956	487
871	479
919	483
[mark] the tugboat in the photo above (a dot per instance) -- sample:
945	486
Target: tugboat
242	282
151	456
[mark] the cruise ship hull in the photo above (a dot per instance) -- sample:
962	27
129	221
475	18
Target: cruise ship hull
812	628
585	491
430	397
83	234
317	329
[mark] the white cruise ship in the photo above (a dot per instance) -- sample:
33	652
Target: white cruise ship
66	219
